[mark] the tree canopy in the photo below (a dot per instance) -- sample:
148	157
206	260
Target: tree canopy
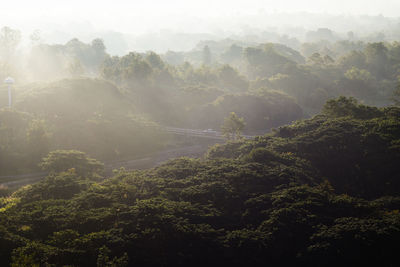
322	191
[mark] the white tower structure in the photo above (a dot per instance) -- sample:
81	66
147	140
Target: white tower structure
9	81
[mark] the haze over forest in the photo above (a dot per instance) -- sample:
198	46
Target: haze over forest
159	25
200	133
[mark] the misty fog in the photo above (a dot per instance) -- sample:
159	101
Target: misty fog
199	133
178	25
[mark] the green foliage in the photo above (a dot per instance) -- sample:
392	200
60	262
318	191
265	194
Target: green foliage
233	126
103	259
377	59
261	155
356	59
38	139
261	110
91	115
132	67
358	74
396	94
23	141
322	188
55	186
343	106
265	61
63	160
320	192
59	61
231	79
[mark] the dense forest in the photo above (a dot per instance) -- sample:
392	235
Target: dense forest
115	107
322	191
301	168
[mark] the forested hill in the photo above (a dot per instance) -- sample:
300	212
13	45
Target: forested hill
320	192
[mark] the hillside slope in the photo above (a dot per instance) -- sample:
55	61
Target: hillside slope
320	192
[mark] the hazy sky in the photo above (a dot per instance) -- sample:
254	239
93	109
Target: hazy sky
114	13
102	8
81	18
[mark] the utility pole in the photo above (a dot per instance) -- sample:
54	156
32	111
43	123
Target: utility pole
9	81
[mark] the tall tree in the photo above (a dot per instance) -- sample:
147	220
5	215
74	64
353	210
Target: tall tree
206	55
377	59
9	40
233	126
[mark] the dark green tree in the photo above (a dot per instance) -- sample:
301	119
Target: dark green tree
349	106
63	160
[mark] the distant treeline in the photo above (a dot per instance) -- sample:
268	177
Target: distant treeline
110	107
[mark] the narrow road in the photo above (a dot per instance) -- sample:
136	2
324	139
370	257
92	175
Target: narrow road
15	181
210	134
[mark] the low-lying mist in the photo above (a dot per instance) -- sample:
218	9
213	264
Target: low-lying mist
199	133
